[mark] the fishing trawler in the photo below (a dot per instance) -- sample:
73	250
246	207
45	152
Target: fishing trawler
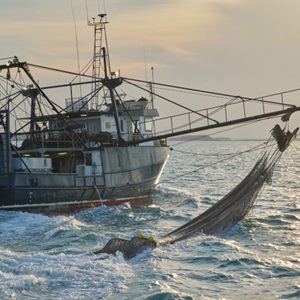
79	156
96	150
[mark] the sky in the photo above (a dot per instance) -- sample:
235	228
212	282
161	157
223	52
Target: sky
240	47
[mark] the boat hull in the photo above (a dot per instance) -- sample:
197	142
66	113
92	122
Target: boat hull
129	175
67	207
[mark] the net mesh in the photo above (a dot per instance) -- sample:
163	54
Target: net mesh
226	213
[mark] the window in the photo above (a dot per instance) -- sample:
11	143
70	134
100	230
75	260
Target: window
148	124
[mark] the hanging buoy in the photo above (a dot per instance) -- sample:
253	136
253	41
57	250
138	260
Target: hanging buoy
150	239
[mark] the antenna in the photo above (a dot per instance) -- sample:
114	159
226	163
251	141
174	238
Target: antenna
152	88
145	62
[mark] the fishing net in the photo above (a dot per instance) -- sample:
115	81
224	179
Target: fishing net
235	206
129	248
227	212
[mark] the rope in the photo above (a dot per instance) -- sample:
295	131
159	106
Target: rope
209	165
259	147
209	93
59	70
6	58
104	7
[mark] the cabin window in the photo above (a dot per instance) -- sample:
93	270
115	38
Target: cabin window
148	124
107	125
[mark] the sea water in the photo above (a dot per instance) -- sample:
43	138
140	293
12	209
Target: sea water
51	257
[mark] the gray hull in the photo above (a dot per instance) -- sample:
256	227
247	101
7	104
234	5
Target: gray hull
127	174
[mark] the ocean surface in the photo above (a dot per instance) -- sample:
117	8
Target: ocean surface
51	257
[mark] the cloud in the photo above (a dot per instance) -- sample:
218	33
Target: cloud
174	27
177	24
224	40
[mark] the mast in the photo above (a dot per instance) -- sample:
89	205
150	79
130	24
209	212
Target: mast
110	80
111	83
100	41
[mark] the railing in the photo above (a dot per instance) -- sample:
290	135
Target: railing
237	109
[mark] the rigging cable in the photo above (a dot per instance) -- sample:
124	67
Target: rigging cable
58	70
212	164
145	63
169	100
104	7
77	47
258	147
257	99
86	10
